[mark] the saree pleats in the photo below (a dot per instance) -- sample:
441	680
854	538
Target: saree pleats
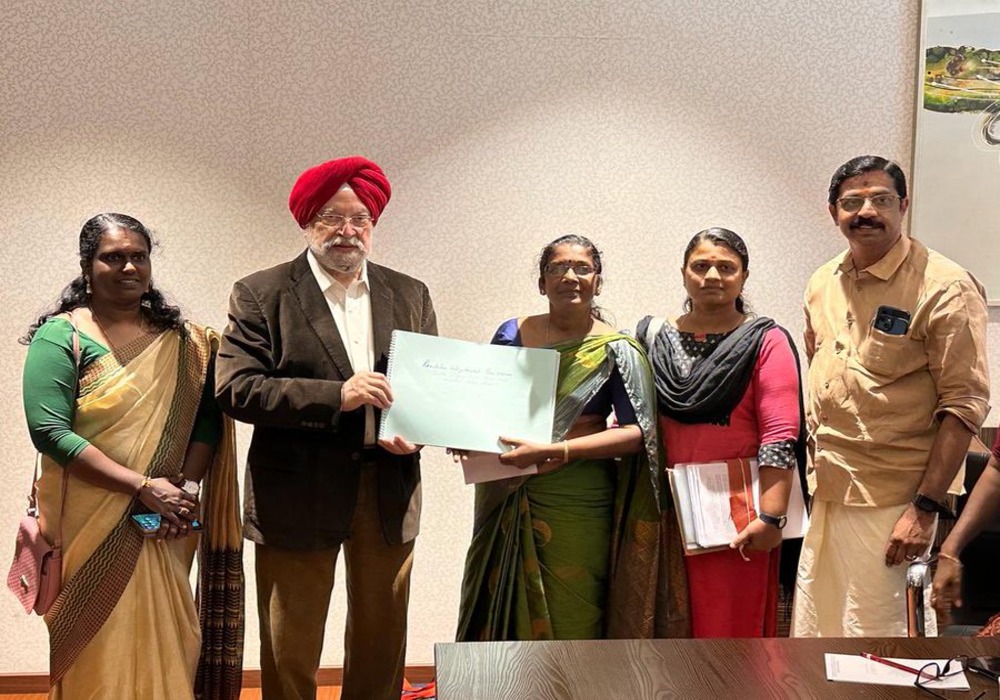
497	566
125	621
575	553
572	526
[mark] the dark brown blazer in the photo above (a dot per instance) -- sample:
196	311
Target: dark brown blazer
280	367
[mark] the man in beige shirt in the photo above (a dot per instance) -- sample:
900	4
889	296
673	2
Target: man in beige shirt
895	335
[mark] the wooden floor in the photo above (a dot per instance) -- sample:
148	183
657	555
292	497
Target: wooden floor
323	693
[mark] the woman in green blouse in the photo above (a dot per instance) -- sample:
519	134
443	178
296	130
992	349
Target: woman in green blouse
131	422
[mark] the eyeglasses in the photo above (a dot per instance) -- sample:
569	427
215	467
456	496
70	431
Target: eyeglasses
882	202
560	269
933	671
336	221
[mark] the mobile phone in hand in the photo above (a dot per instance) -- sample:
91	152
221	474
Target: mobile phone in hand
149	523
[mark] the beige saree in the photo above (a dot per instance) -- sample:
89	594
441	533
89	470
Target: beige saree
125	623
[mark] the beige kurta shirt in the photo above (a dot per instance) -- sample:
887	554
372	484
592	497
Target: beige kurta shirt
875	400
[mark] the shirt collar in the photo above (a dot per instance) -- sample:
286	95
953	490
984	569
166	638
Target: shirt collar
325	280
886	267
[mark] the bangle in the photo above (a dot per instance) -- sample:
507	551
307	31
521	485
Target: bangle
144	484
565	450
942	555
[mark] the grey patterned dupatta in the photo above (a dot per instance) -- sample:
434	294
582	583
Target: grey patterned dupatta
715	384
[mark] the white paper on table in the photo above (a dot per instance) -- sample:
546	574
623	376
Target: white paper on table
853	668
479	467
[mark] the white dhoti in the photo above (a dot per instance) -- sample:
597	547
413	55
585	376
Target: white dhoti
843	587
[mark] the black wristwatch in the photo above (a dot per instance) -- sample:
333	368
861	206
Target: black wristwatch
929	505
778	521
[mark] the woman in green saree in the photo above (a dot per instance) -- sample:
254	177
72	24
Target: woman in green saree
119	401
574	552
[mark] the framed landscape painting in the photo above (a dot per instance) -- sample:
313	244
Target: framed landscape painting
956	153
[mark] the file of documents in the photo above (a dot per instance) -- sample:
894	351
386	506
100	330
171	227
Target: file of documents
453	393
852	668
703	497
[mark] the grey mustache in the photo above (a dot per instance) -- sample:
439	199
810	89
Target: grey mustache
340	240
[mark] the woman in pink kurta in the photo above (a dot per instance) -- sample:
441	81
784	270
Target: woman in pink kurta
728	386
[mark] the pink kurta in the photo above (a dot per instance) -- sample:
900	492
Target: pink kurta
730	597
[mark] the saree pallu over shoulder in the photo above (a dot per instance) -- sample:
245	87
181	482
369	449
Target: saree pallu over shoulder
504	595
647	596
221	583
137	405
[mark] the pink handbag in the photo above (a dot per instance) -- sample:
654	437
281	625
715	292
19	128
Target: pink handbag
35	575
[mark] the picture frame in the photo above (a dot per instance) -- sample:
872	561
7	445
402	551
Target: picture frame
955	198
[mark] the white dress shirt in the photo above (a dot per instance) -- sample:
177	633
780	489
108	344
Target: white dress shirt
351	308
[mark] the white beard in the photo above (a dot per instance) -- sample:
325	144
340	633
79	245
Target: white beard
346	263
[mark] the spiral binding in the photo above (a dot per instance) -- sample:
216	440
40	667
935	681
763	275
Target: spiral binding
388	374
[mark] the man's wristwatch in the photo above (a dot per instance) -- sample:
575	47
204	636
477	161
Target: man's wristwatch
929	505
778	521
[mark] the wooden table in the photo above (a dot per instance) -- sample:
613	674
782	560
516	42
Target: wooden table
745	669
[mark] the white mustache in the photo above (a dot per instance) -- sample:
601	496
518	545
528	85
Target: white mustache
342	240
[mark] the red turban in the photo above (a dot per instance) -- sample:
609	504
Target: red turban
317	185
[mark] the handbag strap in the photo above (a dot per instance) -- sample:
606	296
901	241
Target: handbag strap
33	494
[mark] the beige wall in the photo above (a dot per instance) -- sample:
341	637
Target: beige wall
500	125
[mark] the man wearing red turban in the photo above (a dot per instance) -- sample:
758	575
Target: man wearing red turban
303	360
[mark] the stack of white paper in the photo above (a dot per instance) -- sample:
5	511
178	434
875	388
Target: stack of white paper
701	494
852	668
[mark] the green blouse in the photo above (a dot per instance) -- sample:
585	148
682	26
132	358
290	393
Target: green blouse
49	392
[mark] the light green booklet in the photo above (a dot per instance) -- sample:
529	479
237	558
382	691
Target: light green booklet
453	393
